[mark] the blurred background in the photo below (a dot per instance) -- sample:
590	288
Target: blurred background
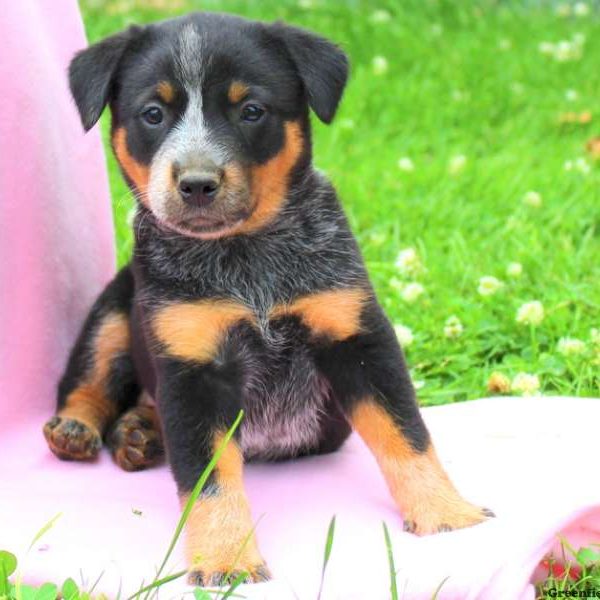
467	155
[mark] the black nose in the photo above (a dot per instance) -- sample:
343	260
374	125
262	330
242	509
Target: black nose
199	190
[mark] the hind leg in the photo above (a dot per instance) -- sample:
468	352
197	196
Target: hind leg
135	440
99	382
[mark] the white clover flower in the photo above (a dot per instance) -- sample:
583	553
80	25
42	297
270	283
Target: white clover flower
396	284
568	166
595	336
437	29
458	95
517	88
563	10
582	165
571	95
453	328
380	16
532	199
513	222
570	346
408	262
581	9
546	48
404	335
411	292
380	65
526	384
377	238
489	285
566	50
457	164
514	270
530	313
563	51
406	164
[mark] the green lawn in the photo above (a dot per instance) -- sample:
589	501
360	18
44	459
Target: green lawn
451	117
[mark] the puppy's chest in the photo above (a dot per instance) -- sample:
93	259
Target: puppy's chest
284	394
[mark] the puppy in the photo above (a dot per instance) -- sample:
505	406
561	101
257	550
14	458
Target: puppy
246	289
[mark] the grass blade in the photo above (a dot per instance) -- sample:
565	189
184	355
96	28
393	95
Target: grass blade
43	531
235	584
239	553
91	590
390	553
328	548
157	583
194	497
36	538
439	587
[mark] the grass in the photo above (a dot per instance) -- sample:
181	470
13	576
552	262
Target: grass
574	572
471	95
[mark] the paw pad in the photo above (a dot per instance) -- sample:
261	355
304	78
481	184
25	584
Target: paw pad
70	439
135	442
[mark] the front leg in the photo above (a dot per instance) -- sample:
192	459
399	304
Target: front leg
368	375
199	393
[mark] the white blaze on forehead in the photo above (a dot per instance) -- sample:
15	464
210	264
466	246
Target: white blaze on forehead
189	142
190	138
190	56
191	131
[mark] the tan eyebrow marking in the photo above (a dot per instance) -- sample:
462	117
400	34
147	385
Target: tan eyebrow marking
166	91
237	91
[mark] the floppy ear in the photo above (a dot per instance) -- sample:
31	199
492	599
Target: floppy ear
322	66
91	74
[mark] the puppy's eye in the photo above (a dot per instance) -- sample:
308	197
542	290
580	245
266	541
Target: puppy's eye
252	112
153	115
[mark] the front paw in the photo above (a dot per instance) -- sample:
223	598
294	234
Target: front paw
70	439
440	517
218	577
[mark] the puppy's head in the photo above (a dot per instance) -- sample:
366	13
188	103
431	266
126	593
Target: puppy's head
210	114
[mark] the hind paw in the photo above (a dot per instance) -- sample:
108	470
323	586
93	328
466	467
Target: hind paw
136	440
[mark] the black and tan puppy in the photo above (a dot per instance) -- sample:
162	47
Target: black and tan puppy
246	289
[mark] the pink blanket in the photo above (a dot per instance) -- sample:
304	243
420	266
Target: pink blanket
513	454
518	456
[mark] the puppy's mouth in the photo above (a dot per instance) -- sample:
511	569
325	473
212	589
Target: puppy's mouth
206	228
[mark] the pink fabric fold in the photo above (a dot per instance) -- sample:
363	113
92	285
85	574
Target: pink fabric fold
56	235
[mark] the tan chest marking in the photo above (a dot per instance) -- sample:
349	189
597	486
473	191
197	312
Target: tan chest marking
138	173
194	330
333	313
